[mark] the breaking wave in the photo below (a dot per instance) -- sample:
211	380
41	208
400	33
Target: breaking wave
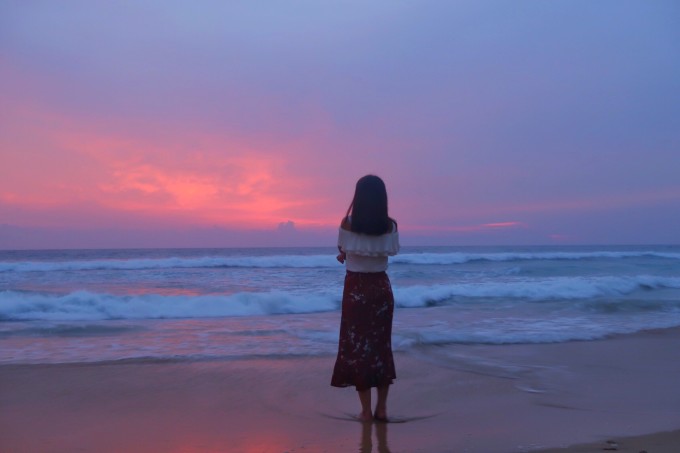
87	305
315	261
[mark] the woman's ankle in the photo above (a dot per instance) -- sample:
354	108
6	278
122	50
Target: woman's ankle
380	412
365	416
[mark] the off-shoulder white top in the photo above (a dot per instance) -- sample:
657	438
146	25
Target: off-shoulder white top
366	253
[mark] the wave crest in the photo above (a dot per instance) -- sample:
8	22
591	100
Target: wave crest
461	258
549	289
313	261
86	305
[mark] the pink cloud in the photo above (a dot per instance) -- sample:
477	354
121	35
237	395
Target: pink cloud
210	179
468	228
502	225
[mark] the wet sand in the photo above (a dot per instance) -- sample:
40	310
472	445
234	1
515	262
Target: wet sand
475	398
666	442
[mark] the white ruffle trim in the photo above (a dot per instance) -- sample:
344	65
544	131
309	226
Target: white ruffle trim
366	245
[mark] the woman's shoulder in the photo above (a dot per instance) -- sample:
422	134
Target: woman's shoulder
368	245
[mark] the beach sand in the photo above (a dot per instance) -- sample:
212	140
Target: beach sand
455	398
666	442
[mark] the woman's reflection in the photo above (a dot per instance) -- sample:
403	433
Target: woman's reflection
366	444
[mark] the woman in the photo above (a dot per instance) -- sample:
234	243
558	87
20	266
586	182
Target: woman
366	238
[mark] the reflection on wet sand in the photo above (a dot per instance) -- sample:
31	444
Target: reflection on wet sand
366	444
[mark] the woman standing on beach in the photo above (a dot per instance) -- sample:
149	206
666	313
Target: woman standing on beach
366	238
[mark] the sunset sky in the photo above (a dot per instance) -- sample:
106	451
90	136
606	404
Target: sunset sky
227	123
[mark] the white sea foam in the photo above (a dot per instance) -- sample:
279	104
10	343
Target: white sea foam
557	288
102	305
294	336
86	305
313	261
460	257
272	261
518	330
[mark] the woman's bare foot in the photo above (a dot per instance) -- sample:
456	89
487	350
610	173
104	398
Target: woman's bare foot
380	416
365	417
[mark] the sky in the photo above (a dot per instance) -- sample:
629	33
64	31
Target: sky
247	123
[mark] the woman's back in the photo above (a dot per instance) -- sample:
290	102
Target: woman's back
367	253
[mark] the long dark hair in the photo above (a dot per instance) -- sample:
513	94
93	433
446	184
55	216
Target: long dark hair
369	207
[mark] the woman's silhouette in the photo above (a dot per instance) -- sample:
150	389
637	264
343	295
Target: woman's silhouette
367	236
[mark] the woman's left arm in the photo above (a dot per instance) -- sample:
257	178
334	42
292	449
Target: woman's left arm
341	256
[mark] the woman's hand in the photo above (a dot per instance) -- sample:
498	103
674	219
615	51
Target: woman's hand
341	256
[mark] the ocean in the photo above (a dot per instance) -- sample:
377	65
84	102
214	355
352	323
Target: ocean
73	306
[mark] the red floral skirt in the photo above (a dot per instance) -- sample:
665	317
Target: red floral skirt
365	347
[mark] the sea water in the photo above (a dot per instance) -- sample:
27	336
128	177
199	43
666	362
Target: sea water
236	304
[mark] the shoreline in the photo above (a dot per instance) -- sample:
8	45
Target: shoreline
474	398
